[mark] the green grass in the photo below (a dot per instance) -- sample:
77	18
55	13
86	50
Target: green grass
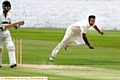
103	63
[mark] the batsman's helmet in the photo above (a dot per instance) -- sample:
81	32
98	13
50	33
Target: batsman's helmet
6	3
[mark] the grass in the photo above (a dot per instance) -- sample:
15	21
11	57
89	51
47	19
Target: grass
102	63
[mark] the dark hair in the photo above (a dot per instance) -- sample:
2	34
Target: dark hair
91	16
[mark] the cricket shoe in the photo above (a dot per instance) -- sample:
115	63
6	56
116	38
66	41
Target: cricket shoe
66	47
51	58
0	66
14	65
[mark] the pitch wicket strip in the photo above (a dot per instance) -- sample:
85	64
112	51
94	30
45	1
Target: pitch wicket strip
18	49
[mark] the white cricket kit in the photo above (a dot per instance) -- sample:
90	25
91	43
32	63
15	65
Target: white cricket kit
73	35
6	37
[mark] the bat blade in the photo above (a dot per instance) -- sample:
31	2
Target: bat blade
14	24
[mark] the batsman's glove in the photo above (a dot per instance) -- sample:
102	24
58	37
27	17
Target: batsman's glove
2	27
17	26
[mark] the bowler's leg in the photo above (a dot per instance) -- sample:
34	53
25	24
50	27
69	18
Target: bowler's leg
64	42
57	48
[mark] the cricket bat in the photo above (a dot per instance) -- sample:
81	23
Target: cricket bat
14	24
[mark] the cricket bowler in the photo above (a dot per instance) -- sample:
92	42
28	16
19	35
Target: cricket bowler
5	36
76	34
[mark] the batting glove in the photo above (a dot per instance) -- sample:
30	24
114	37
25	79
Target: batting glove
17	26
2	28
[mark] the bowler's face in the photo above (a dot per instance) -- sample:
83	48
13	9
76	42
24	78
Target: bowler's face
92	21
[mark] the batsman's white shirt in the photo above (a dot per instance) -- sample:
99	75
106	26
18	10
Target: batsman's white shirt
5	34
5	21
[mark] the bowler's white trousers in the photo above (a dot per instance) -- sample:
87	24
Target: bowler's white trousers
72	36
6	37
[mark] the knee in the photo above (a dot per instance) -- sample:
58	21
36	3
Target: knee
11	48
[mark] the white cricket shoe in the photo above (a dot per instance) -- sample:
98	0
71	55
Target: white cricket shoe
51	58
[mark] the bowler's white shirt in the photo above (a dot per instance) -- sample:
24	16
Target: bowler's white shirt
81	26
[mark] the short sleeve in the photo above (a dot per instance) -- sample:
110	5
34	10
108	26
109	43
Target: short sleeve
83	29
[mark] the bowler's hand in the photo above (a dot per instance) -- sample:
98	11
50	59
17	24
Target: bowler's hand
101	33
91	47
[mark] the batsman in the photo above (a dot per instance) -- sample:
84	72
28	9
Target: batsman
5	36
